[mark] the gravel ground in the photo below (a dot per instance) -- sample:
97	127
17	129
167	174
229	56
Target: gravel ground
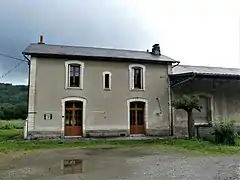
128	164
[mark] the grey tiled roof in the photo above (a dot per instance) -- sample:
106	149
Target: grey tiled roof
46	49
181	69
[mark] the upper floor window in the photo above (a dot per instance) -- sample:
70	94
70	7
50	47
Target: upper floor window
137	77
107	80
74	74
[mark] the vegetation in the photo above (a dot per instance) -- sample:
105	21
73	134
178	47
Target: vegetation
224	132
188	103
10	134
184	145
11	124
13	101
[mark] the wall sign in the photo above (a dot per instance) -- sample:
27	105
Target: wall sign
47	116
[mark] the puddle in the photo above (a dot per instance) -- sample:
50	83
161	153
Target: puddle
72	166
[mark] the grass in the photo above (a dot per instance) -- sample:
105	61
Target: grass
195	146
11	124
6	134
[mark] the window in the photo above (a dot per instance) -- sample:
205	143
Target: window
203	116
74	74
137	77
107	80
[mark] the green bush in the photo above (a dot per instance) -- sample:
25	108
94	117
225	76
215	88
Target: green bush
224	132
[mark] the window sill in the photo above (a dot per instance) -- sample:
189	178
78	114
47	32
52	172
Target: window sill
74	88
107	89
137	89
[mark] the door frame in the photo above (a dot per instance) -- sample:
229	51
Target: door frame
84	101
145	112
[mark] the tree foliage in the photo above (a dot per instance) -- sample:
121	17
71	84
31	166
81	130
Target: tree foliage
188	103
13	101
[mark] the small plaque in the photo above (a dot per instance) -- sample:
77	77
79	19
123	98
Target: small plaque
47	116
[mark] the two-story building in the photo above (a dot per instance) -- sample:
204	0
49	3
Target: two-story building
86	91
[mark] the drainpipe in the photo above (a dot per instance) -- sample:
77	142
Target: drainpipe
170	104
26	121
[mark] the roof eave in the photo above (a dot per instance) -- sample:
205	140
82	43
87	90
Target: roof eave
206	75
95	57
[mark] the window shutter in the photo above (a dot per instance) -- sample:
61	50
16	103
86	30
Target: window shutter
143	78
132	78
69	75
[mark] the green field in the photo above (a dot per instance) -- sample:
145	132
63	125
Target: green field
11	124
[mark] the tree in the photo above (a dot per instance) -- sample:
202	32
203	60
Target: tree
13	101
188	103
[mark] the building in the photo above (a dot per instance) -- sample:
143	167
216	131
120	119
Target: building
218	89
86	91
98	92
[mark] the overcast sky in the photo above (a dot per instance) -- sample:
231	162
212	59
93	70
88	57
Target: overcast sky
195	32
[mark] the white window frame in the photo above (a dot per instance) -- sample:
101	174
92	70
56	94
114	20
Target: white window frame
131	76
110	80
67	76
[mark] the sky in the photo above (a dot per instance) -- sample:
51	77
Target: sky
194	32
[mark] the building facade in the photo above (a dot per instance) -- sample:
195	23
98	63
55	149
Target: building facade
97	92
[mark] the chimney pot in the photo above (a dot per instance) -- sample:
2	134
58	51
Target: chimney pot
41	40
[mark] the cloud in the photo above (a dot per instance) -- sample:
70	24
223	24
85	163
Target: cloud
194	32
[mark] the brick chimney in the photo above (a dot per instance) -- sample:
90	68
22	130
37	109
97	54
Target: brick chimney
156	49
41	40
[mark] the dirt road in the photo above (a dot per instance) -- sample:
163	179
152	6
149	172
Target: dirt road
128	164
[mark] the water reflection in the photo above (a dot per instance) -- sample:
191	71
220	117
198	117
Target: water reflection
72	166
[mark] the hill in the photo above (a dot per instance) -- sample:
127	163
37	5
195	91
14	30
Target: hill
13	101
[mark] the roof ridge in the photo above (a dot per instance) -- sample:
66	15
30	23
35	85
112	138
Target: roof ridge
79	46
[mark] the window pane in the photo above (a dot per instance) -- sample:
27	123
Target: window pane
74	81
132	117
78	116
77	81
132	105
107	81
141	105
77	71
68	117
140	117
78	104
69	104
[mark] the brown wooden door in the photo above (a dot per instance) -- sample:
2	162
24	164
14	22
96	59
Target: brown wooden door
137	122
73	118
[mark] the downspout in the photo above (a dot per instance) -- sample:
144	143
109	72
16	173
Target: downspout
26	122
170	101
